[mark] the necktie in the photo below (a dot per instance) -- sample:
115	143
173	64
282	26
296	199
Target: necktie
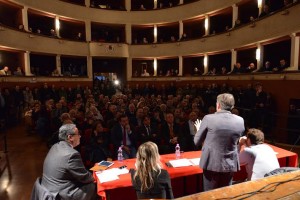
148	130
171	131
124	136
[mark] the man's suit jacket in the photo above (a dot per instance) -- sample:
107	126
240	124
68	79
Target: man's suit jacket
117	136
165	132
186	138
64	172
220	133
144	136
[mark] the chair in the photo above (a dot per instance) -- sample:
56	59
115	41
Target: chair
281	170
39	192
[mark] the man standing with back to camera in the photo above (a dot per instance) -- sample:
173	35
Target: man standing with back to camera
219	133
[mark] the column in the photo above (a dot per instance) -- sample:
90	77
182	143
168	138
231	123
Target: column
88	30
57	25
206	24
87	3
155	33
129	68
128	5
235	14
233	58
259	56
180	66
180	29
260	5
89	67
205	63
294	62
155	66
27	64
58	64
155	4
180	2
25	18
128	33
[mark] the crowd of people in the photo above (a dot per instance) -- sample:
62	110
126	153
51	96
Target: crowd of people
167	109
219	133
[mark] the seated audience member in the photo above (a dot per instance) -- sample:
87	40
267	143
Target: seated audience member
196	71
238	69
258	157
145	41
183	37
122	135
53	33
21	27
251	68
18	72
223	71
266	11
99	142
237	23
170	132
149	179
266	68
147	131
64	174
281	67
189	130
213	71
145	73
4	71
55	73
142	7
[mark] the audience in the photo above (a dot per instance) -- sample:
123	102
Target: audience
169	109
4	71
281	67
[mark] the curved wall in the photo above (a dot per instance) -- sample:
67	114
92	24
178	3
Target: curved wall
275	26
122	17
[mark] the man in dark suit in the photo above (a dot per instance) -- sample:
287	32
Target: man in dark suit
219	133
122	135
64	173
170	132
188	132
147	131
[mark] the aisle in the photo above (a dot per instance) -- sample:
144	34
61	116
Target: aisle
24	164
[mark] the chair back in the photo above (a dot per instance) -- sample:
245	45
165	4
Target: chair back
39	192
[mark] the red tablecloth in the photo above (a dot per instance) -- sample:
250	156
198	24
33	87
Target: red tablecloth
180	177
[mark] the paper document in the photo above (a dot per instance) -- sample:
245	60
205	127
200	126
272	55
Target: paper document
184	162
111	174
195	161
106	177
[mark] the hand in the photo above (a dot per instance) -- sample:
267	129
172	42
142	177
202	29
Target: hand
174	140
242	140
198	124
126	149
127	127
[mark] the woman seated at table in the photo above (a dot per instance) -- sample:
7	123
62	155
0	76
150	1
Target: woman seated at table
149	180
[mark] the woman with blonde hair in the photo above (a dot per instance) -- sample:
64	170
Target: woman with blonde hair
149	180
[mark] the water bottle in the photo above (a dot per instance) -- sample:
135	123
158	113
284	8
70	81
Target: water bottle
177	151
120	154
